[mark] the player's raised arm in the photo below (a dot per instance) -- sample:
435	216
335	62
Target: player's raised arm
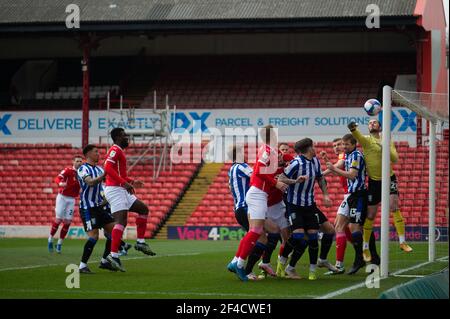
338	164
350	174
286	180
363	140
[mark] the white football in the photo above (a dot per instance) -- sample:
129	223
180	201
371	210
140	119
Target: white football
372	107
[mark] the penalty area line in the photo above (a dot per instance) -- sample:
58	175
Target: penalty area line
363	284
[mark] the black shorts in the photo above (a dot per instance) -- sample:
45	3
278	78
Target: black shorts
96	217
322	217
305	217
241	216
357	205
375	190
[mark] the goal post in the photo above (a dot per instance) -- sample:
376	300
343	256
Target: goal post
432	108
385	177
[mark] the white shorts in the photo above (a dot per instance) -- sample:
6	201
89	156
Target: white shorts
64	207
343	208
118	198
276	213
256	201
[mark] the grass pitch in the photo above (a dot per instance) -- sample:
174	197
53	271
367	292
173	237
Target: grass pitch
181	269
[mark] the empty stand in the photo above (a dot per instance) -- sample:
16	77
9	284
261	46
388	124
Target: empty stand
250	81
27	172
276	81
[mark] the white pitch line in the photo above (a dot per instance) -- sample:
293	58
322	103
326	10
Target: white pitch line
363	284
162	293
91	262
30	267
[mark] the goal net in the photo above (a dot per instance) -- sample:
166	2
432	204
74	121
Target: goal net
422	172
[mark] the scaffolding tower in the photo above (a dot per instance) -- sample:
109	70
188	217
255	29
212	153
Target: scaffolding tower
155	137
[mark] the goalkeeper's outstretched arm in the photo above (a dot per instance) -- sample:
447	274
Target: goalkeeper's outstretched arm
363	140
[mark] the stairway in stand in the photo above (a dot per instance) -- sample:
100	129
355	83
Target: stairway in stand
192	197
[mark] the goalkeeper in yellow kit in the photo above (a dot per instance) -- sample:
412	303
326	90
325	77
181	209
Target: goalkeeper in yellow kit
371	145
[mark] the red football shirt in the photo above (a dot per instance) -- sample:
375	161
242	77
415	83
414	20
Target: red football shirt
259	179
68	176
342	179
275	195
116	167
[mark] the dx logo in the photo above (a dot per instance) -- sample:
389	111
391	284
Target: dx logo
3	120
190	121
401	120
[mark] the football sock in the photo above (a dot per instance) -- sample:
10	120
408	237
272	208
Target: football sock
107	247
141	227
254	256
281	250
54	229
357	245
272	241
240	262
325	245
64	231
289	246
87	250
313	248
116	238
341	244
249	241
399	225
373	246
368	225
298	242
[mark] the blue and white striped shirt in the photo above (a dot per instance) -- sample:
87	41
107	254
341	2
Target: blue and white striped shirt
90	196
356	160
302	194
239	181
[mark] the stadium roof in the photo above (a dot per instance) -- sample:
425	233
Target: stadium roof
26	13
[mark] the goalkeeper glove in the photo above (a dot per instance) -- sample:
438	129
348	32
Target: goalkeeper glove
352	126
